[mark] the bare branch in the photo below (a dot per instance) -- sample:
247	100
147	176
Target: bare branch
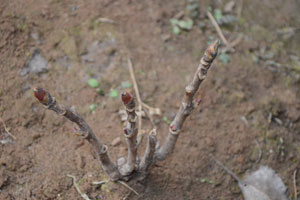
147	160
130	133
6	129
187	104
50	103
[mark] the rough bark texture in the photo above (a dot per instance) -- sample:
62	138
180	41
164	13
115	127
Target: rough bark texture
130	133
131	167
147	160
84	129
187	104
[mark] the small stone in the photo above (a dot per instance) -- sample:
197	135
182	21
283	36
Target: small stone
237	148
271	134
209	141
254	156
116	141
241	159
229	6
293	114
37	64
166	37
179	15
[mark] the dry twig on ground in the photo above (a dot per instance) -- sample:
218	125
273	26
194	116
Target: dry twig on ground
6	129
137	93
295	184
150	111
84	196
228	45
131	167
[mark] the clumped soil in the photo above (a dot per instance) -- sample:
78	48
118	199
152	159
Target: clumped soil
249	115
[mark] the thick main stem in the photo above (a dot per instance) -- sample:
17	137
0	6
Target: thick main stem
100	149
187	104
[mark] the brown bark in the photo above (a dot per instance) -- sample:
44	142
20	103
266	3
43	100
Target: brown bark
130	133
147	160
84	129
187	104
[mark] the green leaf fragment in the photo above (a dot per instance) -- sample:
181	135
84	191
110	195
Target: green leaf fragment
93	83
206	180
100	91
93	107
224	58
176	30
166	120
192	7
141	72
126	84
173	21
114	93
186	24
218	14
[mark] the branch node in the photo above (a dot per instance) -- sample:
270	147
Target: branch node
188	89
130	109
103	149
204	64
173	130
202	74
130	133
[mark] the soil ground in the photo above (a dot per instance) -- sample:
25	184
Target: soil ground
249	115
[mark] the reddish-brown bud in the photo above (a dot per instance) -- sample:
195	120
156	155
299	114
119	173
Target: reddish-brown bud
173	128
198	101
126	98
75	130
125	131
39	93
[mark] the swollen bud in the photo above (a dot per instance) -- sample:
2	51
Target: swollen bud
198	101
40	94
126	98
173	128
212	51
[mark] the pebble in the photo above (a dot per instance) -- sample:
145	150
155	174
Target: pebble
37	64
116	141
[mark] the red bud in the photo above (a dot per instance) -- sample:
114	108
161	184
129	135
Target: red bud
173	128
126	98
125	131
39	93
75	130
199	101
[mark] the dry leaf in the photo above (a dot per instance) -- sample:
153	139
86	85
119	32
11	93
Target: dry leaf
263	184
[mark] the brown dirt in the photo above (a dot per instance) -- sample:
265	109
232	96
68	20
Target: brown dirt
68	34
